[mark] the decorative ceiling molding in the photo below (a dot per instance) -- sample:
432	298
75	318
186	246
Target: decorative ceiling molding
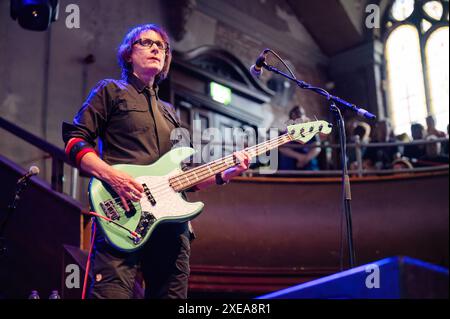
329	24
220	65
232	16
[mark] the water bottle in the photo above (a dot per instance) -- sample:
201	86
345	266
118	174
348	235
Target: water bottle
34	295
54	295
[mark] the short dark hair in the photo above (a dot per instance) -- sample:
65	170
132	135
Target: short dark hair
417	130
296	110
126	48
417	126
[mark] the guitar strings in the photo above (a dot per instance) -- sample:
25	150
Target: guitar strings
231	155
222	162
204	170
270	144
204	174
199	170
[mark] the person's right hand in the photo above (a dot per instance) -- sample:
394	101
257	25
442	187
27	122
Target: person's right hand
125	186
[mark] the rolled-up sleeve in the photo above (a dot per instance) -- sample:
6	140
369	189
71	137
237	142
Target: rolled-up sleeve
90	121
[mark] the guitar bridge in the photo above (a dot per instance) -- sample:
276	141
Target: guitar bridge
109	209
146	221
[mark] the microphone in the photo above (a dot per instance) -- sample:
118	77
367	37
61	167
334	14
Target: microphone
256	69
34	170
366	114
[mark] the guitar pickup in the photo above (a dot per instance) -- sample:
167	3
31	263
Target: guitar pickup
109	209
149	195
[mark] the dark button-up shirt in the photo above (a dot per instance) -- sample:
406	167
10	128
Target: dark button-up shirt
120	114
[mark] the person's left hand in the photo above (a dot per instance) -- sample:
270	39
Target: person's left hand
244	159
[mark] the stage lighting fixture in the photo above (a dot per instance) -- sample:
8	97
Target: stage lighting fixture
34	15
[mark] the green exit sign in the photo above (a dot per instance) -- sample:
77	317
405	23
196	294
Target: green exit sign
220	93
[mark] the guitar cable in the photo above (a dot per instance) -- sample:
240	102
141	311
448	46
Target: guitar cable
94	230
132	233
88	262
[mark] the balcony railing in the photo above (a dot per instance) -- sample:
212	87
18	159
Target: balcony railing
66	178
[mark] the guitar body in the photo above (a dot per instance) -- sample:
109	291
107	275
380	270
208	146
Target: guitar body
159	204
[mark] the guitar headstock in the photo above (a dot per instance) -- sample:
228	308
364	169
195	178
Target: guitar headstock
303	132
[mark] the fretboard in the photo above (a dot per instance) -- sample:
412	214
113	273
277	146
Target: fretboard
192	177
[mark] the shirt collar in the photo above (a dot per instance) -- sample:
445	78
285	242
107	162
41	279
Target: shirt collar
141	86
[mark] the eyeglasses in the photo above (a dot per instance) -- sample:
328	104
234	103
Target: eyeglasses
148	43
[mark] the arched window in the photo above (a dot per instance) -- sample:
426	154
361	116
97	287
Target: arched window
417	62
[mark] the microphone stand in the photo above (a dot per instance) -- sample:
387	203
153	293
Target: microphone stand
11	208
346	190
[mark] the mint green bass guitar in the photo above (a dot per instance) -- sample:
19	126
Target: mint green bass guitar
163	182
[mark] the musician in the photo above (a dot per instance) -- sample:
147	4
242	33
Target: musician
134	127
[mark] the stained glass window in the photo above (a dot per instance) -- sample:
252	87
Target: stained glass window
434	9
426	25
402	9
437	56
417	62
404	66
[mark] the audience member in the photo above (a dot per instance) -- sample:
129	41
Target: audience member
445	145
415	151
361	134
431	128
382	157
433	155
402	164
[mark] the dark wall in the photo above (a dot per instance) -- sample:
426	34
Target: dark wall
45	78
35	233
298	224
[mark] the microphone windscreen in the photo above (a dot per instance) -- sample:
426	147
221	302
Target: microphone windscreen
255	71
34	170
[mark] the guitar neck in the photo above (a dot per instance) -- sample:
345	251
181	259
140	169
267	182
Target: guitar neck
195	176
